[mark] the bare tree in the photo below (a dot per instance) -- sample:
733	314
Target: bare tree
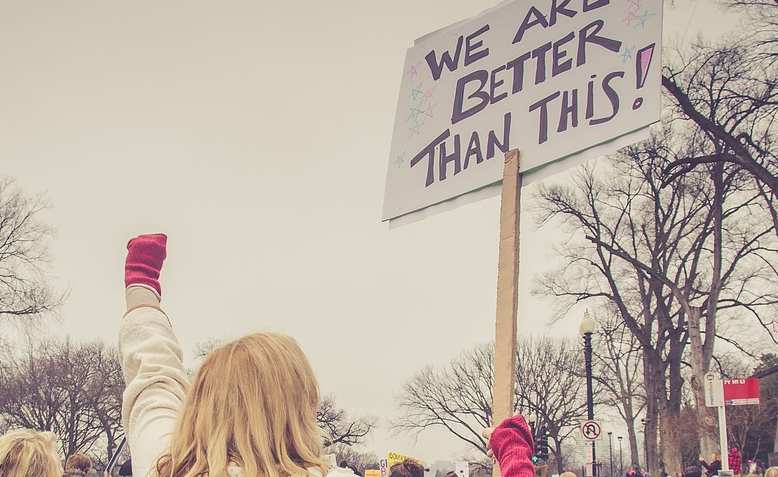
549	386
457	399
73	390
338	427
668	256
618	364
358	461
24	288
730	92
733	100
762	16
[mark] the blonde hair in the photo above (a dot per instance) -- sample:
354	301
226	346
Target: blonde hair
253	403
771	472
567	474
28	453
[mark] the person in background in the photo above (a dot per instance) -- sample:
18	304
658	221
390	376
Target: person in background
541	470
692	471
714	466
28	453
77	465
634	471
407	468
126	469
735	461
251	407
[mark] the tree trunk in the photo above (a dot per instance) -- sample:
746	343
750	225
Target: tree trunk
706	423
634	451
671	441
560	463
654	379
629	421
671	407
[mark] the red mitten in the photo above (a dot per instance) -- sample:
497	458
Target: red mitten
513	447
145	255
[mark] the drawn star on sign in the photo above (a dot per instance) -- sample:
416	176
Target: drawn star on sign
627	54
643	18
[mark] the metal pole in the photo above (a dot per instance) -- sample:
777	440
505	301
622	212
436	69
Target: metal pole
610	448
645	443
621	458
723	438
590	393
115	457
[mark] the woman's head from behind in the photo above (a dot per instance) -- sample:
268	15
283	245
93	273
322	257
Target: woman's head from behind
27	453
252	403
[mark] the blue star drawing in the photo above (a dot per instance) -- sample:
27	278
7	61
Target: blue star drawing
643	18
627	54
416	112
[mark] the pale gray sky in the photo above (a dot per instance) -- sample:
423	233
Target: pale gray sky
256	135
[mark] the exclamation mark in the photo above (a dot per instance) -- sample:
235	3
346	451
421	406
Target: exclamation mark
643	63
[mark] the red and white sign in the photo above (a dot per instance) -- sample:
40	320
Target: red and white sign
591	430
741	392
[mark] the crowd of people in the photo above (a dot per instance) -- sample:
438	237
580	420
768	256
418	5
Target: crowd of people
250	409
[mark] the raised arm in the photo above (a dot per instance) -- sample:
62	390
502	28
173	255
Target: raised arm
512	445
154	374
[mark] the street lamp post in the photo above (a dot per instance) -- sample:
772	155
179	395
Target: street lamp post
610	448
621	458
645	440
587	329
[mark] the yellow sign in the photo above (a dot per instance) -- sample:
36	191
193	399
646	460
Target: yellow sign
395	458
372	473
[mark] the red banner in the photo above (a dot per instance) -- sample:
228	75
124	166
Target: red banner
741	392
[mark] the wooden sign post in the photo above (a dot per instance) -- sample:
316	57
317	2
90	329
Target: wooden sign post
507	293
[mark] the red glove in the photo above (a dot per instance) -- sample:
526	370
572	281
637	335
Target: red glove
513	447
145	255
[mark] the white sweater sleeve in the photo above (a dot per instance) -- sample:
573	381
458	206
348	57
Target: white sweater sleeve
156	385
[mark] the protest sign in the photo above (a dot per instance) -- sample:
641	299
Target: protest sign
549	77
463	469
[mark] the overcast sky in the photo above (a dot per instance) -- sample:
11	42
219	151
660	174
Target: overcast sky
256	135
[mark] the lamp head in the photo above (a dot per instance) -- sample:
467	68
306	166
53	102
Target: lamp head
587	324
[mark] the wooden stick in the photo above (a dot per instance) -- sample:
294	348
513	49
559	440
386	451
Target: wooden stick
507	292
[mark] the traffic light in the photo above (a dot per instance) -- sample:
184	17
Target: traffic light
541	448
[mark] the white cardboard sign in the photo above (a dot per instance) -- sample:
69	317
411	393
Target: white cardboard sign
714	390
463	469
549	77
